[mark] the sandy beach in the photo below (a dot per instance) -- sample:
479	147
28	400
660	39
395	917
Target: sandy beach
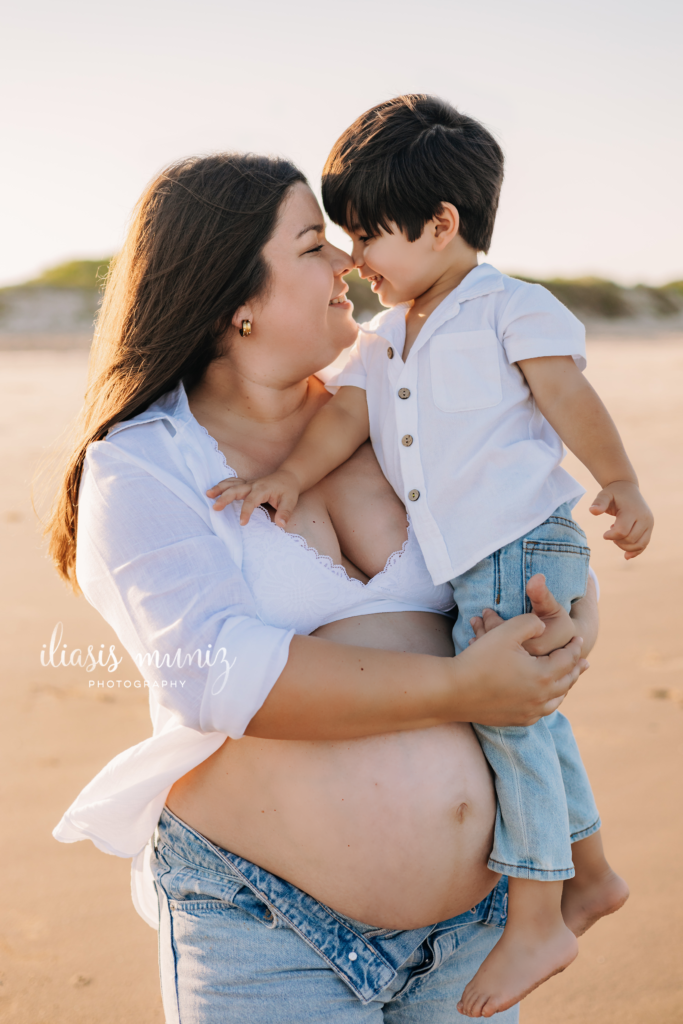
72	948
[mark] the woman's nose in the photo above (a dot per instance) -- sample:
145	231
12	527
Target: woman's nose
341	262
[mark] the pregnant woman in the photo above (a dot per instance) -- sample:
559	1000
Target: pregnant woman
311	820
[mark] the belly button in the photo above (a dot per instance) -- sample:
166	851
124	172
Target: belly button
461	812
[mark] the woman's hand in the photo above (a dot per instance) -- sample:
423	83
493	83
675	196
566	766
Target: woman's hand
499	683
560	625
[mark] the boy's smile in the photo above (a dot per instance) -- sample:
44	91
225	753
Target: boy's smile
390	263
419	273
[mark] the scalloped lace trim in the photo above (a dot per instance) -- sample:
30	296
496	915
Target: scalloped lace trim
326	560
214	443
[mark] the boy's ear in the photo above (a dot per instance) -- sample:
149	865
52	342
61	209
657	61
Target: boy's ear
445	226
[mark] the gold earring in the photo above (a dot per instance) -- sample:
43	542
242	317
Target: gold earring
245	329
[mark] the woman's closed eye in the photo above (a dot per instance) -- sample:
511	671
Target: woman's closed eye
316	248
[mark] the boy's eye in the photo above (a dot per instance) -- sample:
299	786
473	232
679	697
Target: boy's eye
364	239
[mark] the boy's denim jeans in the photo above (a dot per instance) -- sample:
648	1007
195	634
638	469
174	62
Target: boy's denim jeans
545	801
237	943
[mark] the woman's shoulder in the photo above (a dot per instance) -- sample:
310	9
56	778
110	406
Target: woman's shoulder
164	442
154	437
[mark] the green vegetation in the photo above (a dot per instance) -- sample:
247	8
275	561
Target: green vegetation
74	274
596	297
591	297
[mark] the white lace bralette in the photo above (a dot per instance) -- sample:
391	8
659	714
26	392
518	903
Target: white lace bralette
296	588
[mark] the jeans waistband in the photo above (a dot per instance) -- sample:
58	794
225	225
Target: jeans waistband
367	961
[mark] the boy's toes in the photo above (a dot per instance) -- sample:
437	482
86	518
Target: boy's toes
472	1001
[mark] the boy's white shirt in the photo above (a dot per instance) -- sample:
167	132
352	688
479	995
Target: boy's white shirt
483	460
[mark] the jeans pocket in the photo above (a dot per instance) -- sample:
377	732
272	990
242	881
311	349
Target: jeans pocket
183	882
563	562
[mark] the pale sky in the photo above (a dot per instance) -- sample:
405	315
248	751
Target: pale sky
584	96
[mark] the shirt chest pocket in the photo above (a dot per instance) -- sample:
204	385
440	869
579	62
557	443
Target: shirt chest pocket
465	371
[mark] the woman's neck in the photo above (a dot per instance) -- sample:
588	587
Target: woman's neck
255	424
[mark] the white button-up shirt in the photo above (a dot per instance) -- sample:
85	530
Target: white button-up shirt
455	427
164	570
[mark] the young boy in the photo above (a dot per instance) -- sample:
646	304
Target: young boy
467	386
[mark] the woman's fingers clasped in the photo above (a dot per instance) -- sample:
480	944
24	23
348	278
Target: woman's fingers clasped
559	682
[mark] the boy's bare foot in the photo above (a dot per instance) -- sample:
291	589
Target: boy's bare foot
595	891
535	945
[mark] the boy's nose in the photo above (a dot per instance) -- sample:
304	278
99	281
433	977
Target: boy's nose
357	254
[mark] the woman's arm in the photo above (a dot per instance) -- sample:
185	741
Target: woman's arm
334	691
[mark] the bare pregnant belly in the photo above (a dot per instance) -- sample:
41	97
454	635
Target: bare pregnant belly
392	830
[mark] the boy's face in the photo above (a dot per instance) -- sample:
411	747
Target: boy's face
399	270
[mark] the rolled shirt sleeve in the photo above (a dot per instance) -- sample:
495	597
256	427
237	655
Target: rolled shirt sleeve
167	584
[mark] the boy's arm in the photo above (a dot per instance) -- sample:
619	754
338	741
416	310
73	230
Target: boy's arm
574	409
330	438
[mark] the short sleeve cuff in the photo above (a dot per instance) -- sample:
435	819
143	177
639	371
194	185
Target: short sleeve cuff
248	658
343	380
529	348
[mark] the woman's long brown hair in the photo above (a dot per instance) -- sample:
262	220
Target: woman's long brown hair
192	257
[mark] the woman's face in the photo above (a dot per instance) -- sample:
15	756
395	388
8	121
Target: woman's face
303	320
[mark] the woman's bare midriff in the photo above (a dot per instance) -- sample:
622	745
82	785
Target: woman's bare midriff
392	830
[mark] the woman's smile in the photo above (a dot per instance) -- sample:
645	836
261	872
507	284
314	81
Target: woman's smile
340	300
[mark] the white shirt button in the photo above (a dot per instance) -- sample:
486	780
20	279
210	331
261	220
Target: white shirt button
413	495
404	392
407	440
390	352
353	956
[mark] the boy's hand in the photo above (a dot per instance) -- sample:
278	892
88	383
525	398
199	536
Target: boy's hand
559	626
279	489
632	529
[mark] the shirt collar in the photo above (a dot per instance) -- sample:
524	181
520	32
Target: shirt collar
172	406
482	280
390	323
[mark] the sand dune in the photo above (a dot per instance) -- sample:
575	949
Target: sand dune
72	949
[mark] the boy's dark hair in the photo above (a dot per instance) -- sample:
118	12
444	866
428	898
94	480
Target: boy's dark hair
399	161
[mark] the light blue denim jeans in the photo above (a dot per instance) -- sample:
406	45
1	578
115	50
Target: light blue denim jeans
238	944
545	802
